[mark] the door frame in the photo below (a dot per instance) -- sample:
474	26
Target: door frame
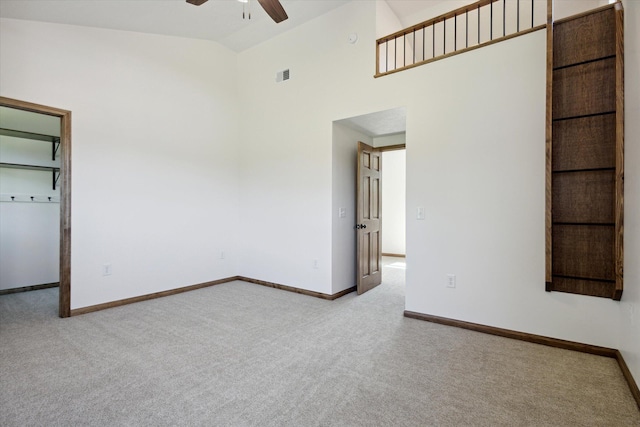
64	304
396	147
382	149
393	147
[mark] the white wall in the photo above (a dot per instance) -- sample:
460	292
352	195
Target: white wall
475	161
154	151
629	343
394	173
29	228
286	165
387	22
344	183
477	166
565	8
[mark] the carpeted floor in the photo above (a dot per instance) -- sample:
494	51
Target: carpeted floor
240	354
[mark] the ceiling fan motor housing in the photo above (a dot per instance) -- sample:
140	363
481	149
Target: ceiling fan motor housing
273	8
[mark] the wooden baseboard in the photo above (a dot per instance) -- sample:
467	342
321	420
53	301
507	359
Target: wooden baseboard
112	304
29	288
507	333
298	290
393	255
537	339
635	391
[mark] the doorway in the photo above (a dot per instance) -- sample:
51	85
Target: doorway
386	131
394	200
60	179
394	215
381	199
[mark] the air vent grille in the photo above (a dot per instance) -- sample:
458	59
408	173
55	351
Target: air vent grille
282	75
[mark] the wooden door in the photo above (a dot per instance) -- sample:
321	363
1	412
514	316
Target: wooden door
368	217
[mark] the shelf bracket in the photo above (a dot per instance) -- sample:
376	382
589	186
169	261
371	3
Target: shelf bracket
56	177
55	146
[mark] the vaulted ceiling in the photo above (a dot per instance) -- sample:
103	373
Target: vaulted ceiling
217	20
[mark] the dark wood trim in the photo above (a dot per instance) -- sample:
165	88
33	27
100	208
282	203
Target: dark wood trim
394	255
65	215
633	385
522	336
619	177
549	152
29	288
460	11
395	147
537	339
377	59
298	290
458	52
64	307
599	102
112	304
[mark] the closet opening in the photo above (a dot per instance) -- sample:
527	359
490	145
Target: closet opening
35	193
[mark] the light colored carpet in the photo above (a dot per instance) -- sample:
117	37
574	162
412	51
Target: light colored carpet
240	354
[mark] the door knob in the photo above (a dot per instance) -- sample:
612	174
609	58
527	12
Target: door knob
360	226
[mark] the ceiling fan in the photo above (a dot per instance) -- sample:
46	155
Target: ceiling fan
273	8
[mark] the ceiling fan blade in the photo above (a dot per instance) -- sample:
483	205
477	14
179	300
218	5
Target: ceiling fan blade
196	2
274	9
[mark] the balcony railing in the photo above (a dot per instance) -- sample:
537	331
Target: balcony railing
469	27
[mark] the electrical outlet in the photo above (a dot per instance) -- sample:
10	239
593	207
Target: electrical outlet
342	212
315	263
106	270
451	280
221	254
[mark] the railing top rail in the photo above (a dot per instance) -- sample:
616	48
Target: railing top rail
460	11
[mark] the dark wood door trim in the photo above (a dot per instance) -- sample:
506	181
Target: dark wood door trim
64	309
393	147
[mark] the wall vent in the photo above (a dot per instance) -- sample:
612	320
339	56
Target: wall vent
282	75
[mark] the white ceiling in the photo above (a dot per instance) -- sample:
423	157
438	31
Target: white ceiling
217	20
380	123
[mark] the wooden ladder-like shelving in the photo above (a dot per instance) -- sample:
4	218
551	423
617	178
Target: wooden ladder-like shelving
585	149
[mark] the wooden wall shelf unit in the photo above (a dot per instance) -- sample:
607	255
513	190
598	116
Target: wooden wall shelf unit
55	145
585	157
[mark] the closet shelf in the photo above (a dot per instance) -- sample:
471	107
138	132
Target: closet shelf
54	140
53	169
